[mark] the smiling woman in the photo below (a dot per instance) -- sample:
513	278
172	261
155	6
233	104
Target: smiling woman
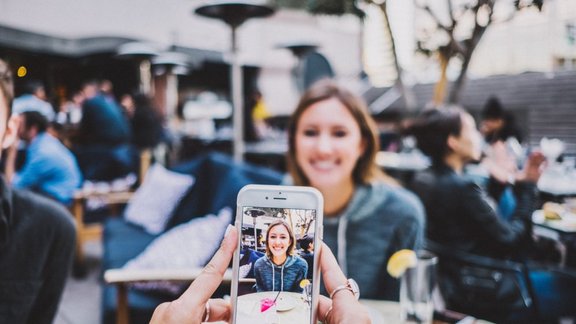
280	269
333	143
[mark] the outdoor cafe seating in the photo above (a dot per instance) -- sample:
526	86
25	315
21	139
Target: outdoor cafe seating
217	180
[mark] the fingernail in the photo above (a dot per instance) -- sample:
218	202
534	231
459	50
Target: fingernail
228	229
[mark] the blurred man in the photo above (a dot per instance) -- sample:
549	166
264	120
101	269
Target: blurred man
50	168
104	151
307	246
36	239
34	100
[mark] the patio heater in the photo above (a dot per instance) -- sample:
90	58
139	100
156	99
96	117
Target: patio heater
254	213
171	64
234	14
142	52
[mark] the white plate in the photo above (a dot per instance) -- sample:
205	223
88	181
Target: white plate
285	303
566	224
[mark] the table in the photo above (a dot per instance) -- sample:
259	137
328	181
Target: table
384	312
562	231
291	308
402	166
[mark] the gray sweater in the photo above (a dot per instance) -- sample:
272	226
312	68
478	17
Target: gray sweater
286	277
378	221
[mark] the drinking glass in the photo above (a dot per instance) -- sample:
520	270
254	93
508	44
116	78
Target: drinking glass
416	286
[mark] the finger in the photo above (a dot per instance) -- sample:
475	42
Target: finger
324	304
159	313
219	310
206	283
331	272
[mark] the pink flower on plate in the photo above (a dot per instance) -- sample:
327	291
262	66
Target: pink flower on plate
266	303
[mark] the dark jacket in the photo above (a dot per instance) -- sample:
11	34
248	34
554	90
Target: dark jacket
103	122
459	215
36	249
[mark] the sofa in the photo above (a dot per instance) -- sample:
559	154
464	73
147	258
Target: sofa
217	182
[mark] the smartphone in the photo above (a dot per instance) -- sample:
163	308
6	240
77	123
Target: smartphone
275	267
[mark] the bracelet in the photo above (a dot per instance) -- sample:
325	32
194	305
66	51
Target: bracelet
340	288
350	285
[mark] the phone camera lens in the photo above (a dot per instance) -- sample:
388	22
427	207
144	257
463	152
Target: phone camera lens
266	198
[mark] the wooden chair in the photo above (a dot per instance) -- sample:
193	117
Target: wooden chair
91	231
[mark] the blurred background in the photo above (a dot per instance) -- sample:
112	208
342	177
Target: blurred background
225	75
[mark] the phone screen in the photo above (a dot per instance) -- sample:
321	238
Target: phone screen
276	265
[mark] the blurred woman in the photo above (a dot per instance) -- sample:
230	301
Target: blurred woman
457	210
280	269
333	143
460	217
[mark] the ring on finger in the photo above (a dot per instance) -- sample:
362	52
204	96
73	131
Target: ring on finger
207	311
327	314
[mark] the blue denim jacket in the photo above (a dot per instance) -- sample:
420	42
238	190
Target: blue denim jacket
287	277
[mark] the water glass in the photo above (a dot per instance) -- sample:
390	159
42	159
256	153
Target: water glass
416	287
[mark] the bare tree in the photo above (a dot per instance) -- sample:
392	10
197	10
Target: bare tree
482	13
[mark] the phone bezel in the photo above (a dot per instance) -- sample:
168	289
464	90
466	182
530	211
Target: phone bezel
299	197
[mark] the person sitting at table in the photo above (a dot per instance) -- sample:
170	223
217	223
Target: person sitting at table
502	138
307	245
102	146
49	168
332	146
458	213
280	269
194	306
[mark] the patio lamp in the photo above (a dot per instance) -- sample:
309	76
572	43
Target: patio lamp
171	64
254	213
234	14
142	52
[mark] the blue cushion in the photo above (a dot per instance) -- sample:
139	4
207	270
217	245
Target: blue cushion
122	242
218	180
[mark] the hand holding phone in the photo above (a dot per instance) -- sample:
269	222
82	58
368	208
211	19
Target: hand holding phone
194	306
276	269
191	307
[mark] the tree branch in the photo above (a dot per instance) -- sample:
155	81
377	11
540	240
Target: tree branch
436	19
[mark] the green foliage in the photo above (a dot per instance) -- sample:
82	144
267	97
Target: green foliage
323	7
334	7
532	3
293	4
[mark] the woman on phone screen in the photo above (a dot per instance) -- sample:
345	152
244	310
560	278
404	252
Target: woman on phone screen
280	269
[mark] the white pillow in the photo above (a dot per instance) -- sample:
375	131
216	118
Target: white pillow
156	198
189	245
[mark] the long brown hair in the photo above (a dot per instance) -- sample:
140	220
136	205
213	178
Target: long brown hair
6	85
292	245
366	169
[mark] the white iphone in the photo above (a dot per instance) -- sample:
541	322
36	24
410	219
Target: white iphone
275	267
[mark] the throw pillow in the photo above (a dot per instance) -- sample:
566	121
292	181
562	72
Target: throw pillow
157	197
189	245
